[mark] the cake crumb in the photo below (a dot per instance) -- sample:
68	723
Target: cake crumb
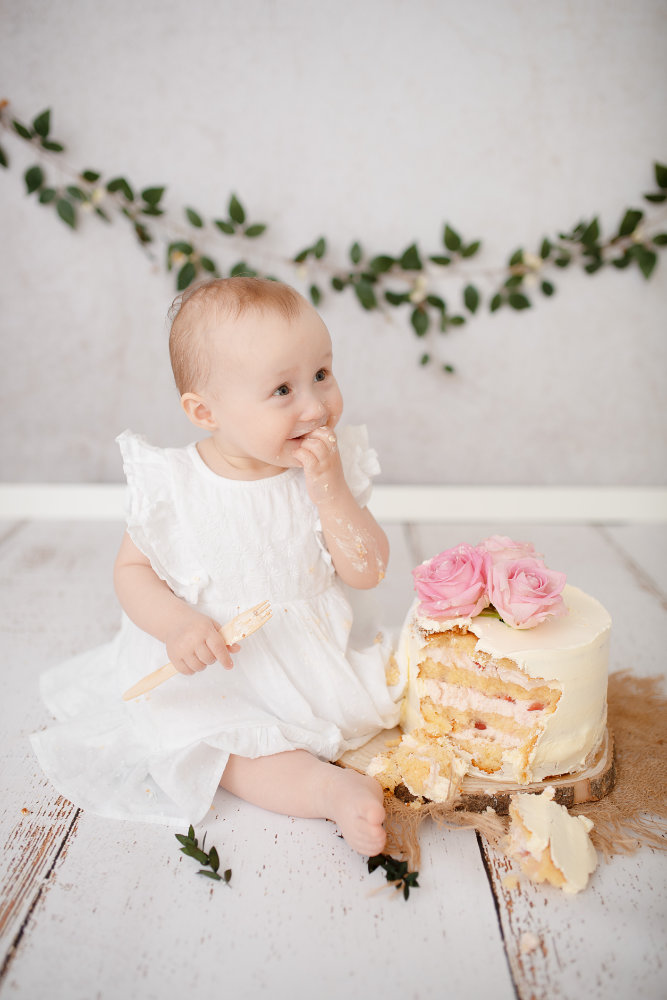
528	942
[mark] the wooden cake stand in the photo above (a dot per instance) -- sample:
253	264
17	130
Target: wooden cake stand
477	793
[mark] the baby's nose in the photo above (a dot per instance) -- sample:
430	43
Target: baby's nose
313	407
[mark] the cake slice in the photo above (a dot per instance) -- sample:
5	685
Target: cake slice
550	844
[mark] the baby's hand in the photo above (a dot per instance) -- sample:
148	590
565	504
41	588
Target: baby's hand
196	643
321	463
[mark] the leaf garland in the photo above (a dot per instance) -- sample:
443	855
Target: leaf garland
190	847
408	280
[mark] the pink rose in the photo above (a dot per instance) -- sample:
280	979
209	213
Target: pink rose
524	592
453	584
501	547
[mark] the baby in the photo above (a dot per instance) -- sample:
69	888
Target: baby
269	505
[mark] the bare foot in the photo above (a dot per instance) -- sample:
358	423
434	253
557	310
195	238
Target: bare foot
356	805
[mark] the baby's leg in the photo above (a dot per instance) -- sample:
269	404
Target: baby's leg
295	783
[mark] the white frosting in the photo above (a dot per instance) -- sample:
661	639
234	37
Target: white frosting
551	825
571	652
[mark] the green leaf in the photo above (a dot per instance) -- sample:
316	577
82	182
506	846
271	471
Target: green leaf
545	249
227	875
547	288
471	298
194	218
255	230
191	833
496	302
301	256
630	221
450	369
213	859
208	874
91	176
315	295
436	302
337	284
34	178
624	261
242	270
366	294
425	358
194	852
660	239
65	210
152	195
42	124
656	199
186	276
396	298
516	258
660	174
420	320
355	253
186	248
186	841
382	263
563	260
518	301
53	147
236	210
4	162
208	264
119	184
76	193
451	239
456	320
46	196
320	248
594	266
22	130
647	259
442	261
410	259
102	214
471	249
591	233
514	281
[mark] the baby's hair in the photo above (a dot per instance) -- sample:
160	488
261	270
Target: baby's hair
196	310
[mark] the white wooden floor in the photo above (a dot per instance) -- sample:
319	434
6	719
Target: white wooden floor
93	908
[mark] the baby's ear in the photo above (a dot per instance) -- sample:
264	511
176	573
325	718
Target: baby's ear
198	411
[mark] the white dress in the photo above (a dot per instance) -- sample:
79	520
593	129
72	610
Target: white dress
223	545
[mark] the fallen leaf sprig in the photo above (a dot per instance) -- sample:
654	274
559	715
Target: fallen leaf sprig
396	871
190	847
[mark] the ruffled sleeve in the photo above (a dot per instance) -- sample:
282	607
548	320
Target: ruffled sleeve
360	462
153	521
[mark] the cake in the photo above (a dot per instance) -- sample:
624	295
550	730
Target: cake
504	673
550	844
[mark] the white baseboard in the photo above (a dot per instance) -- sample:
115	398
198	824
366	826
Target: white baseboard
419	504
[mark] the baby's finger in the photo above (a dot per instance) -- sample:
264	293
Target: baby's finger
219	650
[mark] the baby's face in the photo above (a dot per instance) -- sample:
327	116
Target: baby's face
271	384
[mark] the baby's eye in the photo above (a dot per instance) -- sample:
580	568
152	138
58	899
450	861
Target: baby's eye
282	390
321	375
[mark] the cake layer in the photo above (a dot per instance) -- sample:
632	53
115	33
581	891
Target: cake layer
523	704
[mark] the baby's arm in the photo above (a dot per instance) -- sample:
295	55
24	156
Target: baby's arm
357	544
192	639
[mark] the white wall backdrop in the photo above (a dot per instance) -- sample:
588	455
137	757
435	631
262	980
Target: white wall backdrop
375	120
